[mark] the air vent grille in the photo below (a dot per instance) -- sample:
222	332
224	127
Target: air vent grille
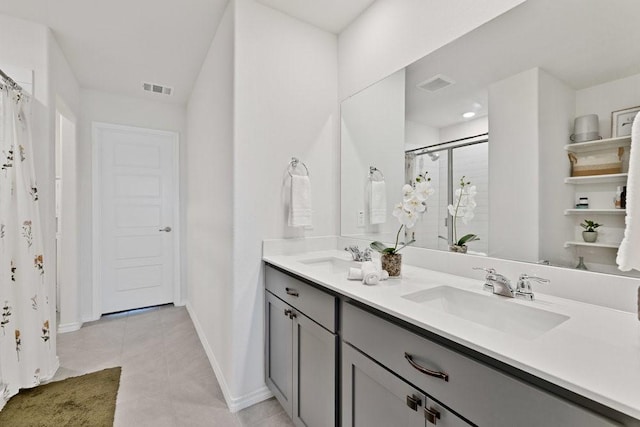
156	88
436	83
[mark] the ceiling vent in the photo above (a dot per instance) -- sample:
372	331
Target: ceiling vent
436	83
156	88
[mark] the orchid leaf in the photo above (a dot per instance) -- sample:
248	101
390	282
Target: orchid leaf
467	238
404	245
378	247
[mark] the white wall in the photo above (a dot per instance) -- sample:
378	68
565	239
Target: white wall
208	176
513	158
99	106
607	97
556	113
285	105
391	34
372	134
418	135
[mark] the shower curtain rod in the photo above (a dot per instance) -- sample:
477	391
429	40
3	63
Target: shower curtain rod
9	81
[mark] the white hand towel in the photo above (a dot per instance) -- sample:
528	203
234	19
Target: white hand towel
370	273
300	207
629	252
354	274
378	203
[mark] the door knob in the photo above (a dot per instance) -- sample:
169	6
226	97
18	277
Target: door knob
166	229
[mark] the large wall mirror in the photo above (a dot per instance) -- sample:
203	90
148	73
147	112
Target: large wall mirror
498	107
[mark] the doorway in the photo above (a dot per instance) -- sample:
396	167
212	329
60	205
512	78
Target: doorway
66	190
135	218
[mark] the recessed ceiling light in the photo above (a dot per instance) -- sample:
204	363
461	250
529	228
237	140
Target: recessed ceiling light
468	114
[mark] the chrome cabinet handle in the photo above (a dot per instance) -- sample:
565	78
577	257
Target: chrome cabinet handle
424	370
290	313
165	229
292	292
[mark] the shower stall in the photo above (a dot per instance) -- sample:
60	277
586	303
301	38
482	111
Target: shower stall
446	163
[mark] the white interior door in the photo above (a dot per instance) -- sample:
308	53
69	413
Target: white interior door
135	216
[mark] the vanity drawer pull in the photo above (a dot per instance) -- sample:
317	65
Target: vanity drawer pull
292	292
432	415
424	370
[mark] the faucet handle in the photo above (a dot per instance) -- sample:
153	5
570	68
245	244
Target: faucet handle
525	276
523	289
489	270
490	275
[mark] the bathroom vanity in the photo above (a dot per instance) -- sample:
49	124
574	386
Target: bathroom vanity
435	349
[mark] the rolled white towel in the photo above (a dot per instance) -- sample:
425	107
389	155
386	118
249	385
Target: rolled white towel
355	274
370	273
385	275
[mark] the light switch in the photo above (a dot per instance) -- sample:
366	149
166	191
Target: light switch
360	218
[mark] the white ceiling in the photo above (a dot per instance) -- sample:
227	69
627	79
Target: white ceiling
583	43
115	45
330	15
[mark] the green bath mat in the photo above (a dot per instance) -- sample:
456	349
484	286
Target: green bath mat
87	400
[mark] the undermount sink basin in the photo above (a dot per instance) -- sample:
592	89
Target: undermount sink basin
333	264
496	313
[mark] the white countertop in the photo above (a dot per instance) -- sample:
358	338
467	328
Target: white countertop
595	353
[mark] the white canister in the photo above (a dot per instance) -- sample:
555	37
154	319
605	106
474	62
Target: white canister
586	128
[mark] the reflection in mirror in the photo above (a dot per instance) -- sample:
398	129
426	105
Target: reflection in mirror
497	106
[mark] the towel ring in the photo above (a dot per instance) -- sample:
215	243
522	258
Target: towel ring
294	163
372	173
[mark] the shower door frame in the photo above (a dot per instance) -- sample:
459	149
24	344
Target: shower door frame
447	146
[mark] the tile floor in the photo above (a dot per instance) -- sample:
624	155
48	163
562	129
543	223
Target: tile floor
166	377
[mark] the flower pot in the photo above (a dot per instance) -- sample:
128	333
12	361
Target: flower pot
392	263
457	248
590	236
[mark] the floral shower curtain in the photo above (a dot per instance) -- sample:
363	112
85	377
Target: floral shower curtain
26	352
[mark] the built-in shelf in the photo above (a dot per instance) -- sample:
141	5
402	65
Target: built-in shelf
595	211
592	245
599	144
597	179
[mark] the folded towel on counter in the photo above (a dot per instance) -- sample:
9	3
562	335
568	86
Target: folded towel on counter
300	207
378	203
371	275
356	274
629	253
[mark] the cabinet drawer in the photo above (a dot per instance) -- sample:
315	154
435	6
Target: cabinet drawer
483	395
314	303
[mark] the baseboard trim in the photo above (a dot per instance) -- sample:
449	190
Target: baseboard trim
235	404
69	327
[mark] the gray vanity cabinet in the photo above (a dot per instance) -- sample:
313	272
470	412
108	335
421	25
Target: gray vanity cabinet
373	396
479	393
279	351
300	351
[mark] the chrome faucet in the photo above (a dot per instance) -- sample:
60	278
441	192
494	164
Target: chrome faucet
523	289
359	255
496	283
500	285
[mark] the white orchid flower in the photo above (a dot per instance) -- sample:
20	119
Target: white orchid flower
414	204
407	192
408	218
467	216
423	190
397	210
